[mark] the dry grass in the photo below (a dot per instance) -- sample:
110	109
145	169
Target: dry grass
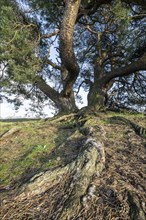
117	190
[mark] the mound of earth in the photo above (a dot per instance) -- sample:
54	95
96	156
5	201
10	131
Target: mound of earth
78	166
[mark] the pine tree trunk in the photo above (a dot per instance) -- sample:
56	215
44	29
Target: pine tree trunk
97	98
66	104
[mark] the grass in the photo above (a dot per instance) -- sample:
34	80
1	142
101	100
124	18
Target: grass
27	149
30	150
35	146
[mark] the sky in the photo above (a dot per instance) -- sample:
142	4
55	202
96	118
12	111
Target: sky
7	110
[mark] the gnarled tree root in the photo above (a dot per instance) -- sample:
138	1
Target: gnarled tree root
88	163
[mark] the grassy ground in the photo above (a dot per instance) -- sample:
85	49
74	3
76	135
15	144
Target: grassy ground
34	146
30	146
28	149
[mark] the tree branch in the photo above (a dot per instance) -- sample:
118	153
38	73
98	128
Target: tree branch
46	89
92	6
127	70
54	65
50	35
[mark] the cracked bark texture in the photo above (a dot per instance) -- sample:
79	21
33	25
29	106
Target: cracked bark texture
66	44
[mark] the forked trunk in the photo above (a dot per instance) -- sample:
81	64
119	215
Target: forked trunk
66	104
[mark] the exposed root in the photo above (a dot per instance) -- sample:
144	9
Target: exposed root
9	132
75	176
103	178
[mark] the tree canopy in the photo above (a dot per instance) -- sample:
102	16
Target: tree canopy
49	50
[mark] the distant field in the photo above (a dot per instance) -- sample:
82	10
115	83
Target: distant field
19	119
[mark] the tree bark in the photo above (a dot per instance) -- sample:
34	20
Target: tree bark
97	96
67	104
98	90
66	44
63	104
138	65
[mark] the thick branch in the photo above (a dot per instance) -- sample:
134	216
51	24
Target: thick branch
66	43
54	65
127	70
63	104
46	89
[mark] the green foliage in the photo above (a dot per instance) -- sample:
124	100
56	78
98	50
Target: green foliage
121	12
24	48
17	46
